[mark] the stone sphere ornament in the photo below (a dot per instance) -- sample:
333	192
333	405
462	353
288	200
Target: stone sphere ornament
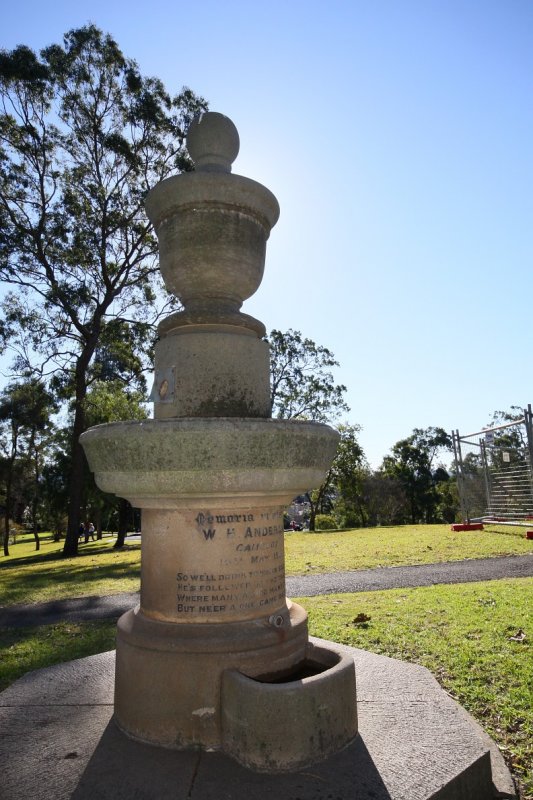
213	142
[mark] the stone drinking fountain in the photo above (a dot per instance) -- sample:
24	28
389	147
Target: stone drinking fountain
215	656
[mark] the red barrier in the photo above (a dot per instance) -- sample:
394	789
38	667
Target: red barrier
467	526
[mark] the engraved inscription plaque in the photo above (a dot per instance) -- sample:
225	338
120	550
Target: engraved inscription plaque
219	565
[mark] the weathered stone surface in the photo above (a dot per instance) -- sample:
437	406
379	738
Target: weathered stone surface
213	564
213	142
157	462
212	474
83	682
211	373
212	576
212	231
168	675
314	726
45	749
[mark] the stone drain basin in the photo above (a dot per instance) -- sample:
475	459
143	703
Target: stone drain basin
277	723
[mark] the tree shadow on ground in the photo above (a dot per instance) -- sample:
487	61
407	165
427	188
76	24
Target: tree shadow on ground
22	586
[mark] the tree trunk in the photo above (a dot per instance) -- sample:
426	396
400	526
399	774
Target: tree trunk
362	513
413	510
34	499
123	515
316	506
9	484
314	509
98	524
77	468
75	494
6	532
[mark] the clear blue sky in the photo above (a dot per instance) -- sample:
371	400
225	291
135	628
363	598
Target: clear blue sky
398	139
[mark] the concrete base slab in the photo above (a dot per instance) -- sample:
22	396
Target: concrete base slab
415	743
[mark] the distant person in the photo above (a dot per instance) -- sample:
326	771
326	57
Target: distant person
89	531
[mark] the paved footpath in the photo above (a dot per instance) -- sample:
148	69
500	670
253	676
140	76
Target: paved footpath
365	580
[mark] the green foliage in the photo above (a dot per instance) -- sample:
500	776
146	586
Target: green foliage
346	517
384	498
108	401
347	476
511	441
123	351
26	409
325	522
83	137
447	501
466	636
340	493
26	405
303	387
410	464
302	384
54	485
80	147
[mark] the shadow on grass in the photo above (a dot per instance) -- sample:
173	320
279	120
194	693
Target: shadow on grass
518	532
40	557
23	585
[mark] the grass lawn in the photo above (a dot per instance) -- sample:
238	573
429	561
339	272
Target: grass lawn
30	577
364	548
26	649
466	636
27	576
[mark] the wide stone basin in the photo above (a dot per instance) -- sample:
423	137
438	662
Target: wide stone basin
159	461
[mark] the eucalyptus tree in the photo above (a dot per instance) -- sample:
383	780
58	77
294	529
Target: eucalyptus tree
302	383
26	410
343	484
83	137
303	387
411	464
507	440
349	472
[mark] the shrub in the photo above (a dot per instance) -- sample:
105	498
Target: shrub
350	520
325	522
